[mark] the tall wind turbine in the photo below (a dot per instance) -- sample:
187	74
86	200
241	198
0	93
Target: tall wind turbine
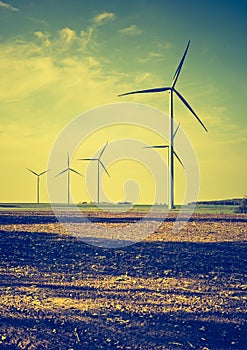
99	163
38	180
171	90
69	169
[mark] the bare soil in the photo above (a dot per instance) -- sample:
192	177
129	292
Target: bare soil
184	290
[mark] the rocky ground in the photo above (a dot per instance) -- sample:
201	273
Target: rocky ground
183	290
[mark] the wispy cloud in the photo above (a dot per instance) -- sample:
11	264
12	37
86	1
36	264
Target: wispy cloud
86	37
131	30
158	53
67	35
104	18
65	40
8	7
154	54
164	46
146	76
62	59
150	56
93	62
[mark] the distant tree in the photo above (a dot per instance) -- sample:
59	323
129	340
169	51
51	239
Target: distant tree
242	208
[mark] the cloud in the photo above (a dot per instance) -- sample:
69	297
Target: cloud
154	54
93	62
86	37
22	79
104	18
52	64
150	56
67	35
64	41
8	7
143	77
39	35
164	46
131	30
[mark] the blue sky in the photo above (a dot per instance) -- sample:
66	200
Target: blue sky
59	59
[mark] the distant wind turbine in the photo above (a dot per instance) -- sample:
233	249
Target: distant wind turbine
68	170
99	163
171	90
38	180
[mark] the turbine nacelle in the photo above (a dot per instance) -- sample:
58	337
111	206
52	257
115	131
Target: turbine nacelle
69	168
99	163
99	159
170	88
38	179
36	174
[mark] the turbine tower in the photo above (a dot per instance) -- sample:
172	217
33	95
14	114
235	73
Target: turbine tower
99	163
68	170
171	90
38	180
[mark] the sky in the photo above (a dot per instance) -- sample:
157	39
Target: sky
60	59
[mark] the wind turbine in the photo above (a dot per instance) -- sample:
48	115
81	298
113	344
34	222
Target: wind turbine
99	163
68	170
167	146
38	180
171	90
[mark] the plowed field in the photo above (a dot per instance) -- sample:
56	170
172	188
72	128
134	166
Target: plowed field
184	290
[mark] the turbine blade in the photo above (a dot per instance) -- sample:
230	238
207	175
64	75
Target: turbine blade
145	91
159	146
176	130
189	107
100	155
32	171
176	75
178	159
64	171
68	159
76	172
43	172
104	168
87	159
